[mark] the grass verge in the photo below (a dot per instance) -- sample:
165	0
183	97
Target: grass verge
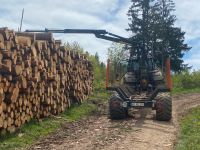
190	131
185	91
32	131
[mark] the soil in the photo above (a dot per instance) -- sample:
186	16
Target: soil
140	132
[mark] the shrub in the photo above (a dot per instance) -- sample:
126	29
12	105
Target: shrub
187	80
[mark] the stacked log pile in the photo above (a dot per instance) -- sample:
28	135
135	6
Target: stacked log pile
38	77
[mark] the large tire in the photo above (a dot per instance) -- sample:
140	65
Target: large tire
116	111
163	107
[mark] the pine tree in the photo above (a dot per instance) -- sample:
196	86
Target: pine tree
172	38
140	15
97	56
152	25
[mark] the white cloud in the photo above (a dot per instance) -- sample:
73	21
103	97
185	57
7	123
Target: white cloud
187	13
95	14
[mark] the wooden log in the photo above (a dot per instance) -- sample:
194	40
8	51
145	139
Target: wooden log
2	95
25	41
1	121
6	66
6	53
27	34
7	45
33	51
5	33
9	122
2	46
44	37
17	70
11	129
5	123
13	94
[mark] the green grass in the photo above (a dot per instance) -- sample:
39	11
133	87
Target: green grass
176	91
190	131
32	131
186	82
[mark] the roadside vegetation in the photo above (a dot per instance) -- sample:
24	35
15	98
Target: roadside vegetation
186	82
190	131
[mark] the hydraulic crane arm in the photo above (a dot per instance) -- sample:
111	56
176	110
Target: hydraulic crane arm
102	34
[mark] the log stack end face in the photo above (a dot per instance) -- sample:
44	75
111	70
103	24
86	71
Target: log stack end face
38	77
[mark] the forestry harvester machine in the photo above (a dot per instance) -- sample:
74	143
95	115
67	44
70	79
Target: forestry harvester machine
140	83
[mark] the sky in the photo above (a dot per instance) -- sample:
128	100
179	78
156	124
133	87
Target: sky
95	14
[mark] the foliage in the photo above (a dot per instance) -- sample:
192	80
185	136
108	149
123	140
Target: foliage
152	24
99	69
75	46
185	91
190	131
117	53
186	82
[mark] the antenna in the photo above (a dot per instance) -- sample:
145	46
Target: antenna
21	20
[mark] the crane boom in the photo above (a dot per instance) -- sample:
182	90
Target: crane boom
102	34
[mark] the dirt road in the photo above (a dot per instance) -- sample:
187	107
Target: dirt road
142	132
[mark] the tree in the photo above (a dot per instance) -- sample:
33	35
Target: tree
152	25
140	17
117	53
97	56
172	38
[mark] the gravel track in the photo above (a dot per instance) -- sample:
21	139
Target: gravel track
141	132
